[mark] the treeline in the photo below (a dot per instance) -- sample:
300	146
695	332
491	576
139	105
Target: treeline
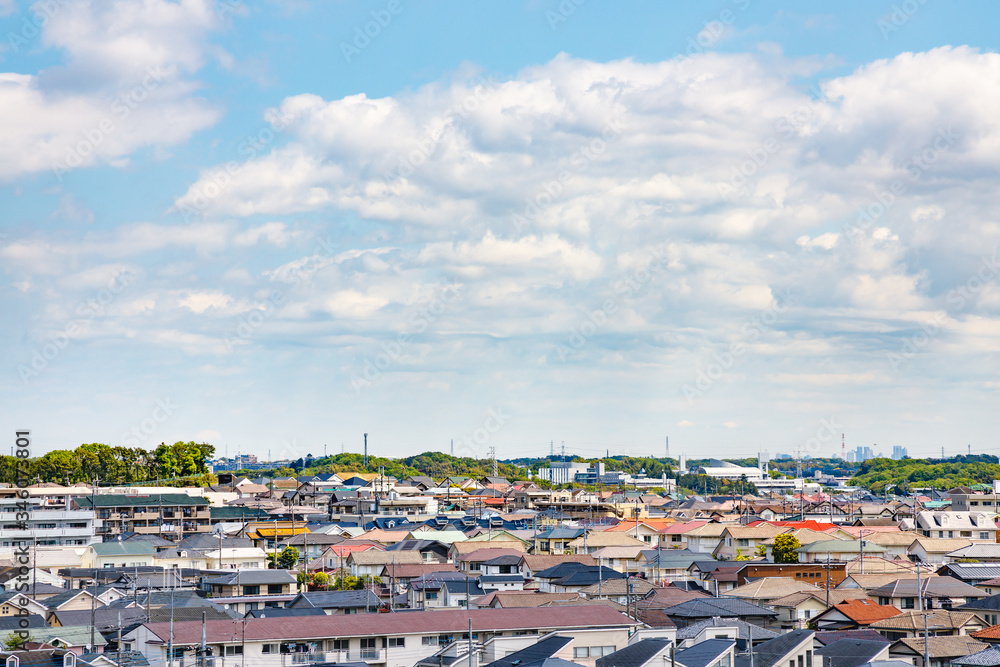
703	484
433	464
878	475
113	466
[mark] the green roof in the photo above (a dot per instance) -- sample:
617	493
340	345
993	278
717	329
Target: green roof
238	512
165	500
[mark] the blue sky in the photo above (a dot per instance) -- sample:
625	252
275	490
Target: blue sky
740	224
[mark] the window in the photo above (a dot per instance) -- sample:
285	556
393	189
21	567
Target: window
251	590
340	644
269	648
809	659
368	642
908	603
251	606
984	536
431	595
429	641
802	660
234	650
274	589
397	642
951	533
581	652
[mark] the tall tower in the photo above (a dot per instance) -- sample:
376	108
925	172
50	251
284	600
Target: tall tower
366	450
453	446
843	447
494	469
667	452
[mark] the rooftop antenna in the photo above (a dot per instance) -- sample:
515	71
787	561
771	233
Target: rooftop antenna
366	450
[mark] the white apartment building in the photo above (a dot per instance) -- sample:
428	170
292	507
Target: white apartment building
50	522
392	640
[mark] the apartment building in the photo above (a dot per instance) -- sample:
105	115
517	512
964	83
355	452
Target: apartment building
172	516
392	640
50	521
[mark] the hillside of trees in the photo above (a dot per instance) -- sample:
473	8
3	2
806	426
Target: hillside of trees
115	466
905	474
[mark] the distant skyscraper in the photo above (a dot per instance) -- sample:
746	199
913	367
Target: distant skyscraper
862	454
898	452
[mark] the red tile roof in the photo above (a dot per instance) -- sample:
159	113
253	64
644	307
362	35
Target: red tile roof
416	622
864	612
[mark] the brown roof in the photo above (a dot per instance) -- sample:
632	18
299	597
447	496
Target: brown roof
618	587
864	612
944	647
938	618
188	633
769	588
836	597
521	599
412	570
606	539
483	554
941	545
541	562
668	596
763	531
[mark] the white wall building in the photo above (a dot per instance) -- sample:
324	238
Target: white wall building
49	522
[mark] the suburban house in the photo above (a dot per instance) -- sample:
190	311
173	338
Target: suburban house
975	526
131	553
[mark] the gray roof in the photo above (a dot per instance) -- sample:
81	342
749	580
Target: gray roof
253	577
976	572
704	653
14	622
499	578
773	651
637	654
127	548
709	607
540	650
509	560
759	633
935	587
990	602
989	657
851	652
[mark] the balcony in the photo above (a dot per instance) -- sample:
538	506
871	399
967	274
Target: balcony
355	655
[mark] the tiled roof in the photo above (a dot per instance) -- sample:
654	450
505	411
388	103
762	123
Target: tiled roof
366	625
942	647
851	652
635	655
989	657
769	588
704	653
606	539
992	632
864	612
938	618
830	636
762	531
541	562
934	587
540	650
836	597
939	545
773	651
708	607
744	629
